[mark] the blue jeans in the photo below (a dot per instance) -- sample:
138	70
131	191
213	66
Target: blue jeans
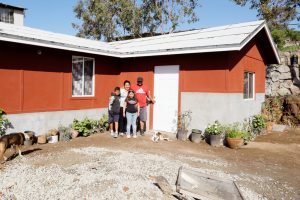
131	121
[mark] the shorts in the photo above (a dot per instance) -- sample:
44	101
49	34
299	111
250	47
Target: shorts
143	114
113	117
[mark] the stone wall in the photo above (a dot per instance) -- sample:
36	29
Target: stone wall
283	79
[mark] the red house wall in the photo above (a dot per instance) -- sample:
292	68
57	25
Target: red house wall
33	83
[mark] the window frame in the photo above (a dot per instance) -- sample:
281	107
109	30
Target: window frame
253	86
93	82
7	16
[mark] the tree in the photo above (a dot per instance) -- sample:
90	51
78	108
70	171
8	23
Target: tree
110	19
277	13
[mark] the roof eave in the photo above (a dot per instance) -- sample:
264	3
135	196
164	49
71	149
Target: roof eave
254	33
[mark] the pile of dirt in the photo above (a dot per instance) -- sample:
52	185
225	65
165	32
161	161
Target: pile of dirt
283	110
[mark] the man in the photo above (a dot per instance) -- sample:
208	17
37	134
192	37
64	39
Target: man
142	93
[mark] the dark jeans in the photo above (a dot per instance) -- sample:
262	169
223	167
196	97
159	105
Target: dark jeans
122	122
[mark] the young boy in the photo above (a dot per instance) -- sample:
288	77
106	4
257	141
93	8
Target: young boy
114	111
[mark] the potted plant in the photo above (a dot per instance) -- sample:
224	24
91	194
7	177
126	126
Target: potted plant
214	134
64	133
235	136
184	120
196	136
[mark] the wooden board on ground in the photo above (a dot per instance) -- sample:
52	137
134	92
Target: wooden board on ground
206	187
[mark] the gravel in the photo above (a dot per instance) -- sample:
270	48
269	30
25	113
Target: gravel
104	174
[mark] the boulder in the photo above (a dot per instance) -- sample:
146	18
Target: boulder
287	84
275	76
295	89
283	68
285	76
283	92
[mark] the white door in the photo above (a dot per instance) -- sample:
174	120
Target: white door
166	85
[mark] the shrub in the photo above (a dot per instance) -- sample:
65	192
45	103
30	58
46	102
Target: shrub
85	127
259	122
236	130
4	123
214	129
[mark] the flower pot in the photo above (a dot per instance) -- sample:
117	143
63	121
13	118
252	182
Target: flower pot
216	140
42	139
234	143
182	135
269	127
74	133
53	139
196	136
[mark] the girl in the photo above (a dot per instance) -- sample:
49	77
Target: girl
123	96
132	111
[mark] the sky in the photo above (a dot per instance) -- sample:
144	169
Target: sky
58	16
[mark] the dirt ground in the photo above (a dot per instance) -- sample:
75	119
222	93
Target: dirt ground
268	166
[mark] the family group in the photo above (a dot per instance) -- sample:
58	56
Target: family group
126	105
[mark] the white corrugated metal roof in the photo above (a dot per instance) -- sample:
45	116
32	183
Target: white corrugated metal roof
224	38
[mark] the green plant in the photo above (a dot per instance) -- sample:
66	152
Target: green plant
259	122
85	127
214	129
64	133
236	130
4	123
184	120
103	122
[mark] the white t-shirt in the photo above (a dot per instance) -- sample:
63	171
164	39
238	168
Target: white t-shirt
123	95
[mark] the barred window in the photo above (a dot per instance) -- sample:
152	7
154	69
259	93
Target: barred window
6	16
83	76
249	85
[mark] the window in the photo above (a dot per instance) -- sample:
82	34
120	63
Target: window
249	85
6	16
83	70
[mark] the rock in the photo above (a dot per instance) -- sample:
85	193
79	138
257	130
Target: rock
275	76
275	86
278	128
283	68
295	89
283	91
287	84
285	76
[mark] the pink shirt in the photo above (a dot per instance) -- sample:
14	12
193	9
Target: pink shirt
141	92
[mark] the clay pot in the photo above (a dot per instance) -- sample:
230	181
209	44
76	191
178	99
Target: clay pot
269	127
42	139
235	143
28	142
196	136
74	133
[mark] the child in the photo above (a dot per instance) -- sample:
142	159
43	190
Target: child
132	112
114	111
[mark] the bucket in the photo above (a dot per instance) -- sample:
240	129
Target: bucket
53	139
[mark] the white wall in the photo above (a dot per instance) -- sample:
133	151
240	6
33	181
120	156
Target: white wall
41	122
224	107
18	18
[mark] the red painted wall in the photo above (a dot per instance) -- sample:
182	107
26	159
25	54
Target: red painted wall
32	83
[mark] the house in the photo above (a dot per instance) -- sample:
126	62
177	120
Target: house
218	73
12	14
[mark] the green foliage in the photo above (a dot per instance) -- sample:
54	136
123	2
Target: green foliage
259	122
85	127
281	35
111	19
64	133
214	129
4	122
184	120
236	130
103	123
277	13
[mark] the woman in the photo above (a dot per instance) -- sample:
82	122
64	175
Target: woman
123	96
131	111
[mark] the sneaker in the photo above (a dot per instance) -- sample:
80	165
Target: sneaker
116	135
128	136
134	136
121	134
112	133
